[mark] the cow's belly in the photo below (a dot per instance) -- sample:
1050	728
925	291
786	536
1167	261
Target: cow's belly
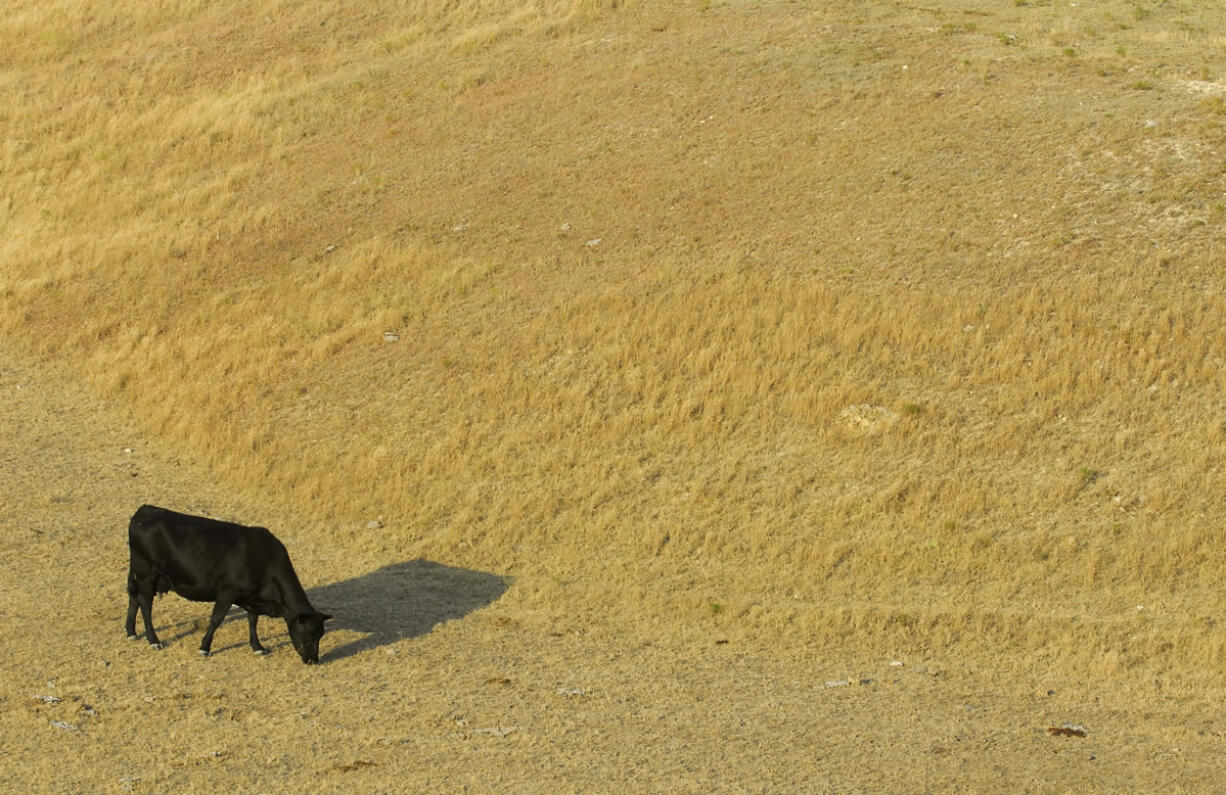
195	591
196	594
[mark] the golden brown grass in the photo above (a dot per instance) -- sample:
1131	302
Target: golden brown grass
640	261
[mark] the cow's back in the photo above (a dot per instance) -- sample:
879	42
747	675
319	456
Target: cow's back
194	556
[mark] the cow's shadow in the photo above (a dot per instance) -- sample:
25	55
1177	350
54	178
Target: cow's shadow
402	600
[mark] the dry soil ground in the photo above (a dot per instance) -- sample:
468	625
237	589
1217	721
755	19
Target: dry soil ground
434	679
636	383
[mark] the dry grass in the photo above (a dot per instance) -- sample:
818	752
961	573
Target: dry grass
639	262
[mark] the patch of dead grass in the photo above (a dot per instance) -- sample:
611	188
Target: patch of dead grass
639	265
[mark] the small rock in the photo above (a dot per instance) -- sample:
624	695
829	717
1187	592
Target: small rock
867	681
391	336
356	765
1067	730
593	243
51	699
329	249
838	683
896	663
566	226
374	524
59	724
569	691
865	417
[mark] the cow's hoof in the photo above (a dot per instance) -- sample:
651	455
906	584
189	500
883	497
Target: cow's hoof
133	636
203	652
259	652
158	646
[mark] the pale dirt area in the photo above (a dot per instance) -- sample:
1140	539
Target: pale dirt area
431	681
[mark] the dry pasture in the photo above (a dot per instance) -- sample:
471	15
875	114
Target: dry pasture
621	375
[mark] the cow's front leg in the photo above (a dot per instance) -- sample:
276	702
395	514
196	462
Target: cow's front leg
219	615
252	618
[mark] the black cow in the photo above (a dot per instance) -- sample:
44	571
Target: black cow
221	562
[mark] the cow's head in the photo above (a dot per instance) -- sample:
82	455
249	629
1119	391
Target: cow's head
305	630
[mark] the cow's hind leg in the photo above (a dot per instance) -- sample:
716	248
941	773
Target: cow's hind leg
129	621
252	618
144	598
219	615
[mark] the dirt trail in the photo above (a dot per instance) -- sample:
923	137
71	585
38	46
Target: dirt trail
436	679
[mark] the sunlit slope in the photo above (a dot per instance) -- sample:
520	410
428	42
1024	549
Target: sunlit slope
857	321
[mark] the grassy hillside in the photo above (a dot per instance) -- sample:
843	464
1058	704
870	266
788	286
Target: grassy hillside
879	324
